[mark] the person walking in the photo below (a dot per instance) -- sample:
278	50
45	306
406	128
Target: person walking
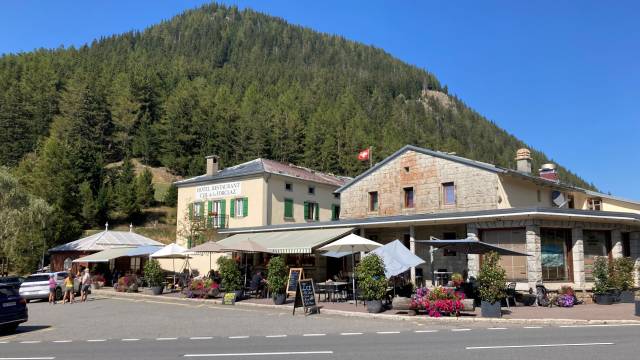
86	285
52	289
68	289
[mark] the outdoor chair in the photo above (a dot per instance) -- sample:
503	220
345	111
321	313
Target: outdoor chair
511	294
321	289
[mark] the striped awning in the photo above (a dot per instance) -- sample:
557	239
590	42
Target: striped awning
289	242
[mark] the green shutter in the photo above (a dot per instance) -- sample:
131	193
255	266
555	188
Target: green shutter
223	209
232	208
317	206
306	210
201	210
191	211
189	242
288	208
209	210
245	207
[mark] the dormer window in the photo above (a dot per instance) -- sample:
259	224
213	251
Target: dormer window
594	204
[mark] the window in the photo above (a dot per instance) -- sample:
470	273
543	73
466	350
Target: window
406	169
335	212
571	203
554	254
373	201
626	245
512	239
449	192
215	214
594	244
312	190
288	187
594	204
408	197
135	264
311	210
449	236
239	207
336	195
197	210
288	208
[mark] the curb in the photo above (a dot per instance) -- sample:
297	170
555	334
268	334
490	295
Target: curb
393	317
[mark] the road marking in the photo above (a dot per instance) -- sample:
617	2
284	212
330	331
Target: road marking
276	336
349	334
130	339
497	328
425	331
4	342
166	339
314	334
533	346
597	325
96	340
263	354
61	341
30	358
30	342
201	338
238	337
166	303
460	329
532	327
387	332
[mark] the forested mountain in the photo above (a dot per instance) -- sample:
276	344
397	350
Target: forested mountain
216	80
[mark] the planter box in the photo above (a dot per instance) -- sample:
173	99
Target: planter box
279	299
374	306
490	310
603	299
627	297
157	290
401	303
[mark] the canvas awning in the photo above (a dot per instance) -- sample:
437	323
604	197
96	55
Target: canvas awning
103	256
289	242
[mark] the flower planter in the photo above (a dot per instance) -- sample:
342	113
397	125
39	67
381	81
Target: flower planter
637	307
374	306
279	299
157	290
603	299
627	297
490	310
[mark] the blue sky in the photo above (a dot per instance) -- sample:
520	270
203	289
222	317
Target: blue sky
564	76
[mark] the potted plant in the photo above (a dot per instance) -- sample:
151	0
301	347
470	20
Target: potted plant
492	279
277	279
372	281
97	281
602	285
154	276
621	278
230	276
457	280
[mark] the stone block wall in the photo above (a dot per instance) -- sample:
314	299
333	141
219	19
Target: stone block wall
476	189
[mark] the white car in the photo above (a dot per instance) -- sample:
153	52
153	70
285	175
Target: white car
36	286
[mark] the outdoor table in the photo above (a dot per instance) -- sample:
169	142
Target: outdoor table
442	277
336	286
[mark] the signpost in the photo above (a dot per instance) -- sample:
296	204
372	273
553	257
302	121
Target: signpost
295	274
306	297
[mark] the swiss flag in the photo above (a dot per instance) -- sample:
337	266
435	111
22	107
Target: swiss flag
364	154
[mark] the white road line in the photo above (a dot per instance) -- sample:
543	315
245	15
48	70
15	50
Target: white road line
597	325
497	328
314	334
166	339
387	332
533	346
97	340
201	338
276	336
30	358
61	341
460	329
532	327
30	342
238	337
349	334
425	331
4	342
130	339
263	354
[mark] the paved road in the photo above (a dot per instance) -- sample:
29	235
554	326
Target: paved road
143	329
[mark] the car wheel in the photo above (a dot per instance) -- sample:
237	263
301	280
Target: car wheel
58	294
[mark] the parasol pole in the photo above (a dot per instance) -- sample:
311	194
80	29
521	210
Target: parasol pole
353	277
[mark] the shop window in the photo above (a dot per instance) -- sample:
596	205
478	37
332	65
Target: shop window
288	187
408	197
449	193
512	239
594	204
288	208
135	264
595	244
373	201
554	252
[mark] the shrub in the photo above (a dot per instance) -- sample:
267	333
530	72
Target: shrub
602	283
229	274
371	279
277	275
153	273
621	277
492	278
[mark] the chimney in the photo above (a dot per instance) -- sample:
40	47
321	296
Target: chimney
523	161
548	172
212	164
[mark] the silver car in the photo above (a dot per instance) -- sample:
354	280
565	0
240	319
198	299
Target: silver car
36	286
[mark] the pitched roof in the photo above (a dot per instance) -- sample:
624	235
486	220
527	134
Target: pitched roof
260	166
105	240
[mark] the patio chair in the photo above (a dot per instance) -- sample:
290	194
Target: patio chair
511	294
321	289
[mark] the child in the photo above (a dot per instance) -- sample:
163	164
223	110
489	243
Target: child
52	289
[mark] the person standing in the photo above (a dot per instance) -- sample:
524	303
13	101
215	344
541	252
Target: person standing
68	289
52	289
86	284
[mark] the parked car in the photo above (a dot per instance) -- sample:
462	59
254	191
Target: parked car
36	286
13	308
14	281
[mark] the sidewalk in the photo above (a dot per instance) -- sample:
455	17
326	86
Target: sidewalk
589	314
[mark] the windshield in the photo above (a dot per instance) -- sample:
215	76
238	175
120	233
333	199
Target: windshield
6	291
34	278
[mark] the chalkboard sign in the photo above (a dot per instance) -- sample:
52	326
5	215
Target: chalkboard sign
295	274
229	299
306	297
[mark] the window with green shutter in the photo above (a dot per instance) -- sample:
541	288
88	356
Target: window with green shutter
288	208
316	209
209	217
306	210
335	212
232	208
245	207
222	213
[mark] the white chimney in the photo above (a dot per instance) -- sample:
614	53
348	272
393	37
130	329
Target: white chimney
549	172
523	161
213	162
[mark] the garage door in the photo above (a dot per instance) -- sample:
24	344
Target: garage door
512	239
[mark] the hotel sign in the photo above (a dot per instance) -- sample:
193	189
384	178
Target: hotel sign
218	190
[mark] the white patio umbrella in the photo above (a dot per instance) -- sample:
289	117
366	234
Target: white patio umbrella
247	247
172	251
352	243
207	248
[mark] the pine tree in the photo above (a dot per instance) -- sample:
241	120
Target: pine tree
125	192
144	188
171	196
